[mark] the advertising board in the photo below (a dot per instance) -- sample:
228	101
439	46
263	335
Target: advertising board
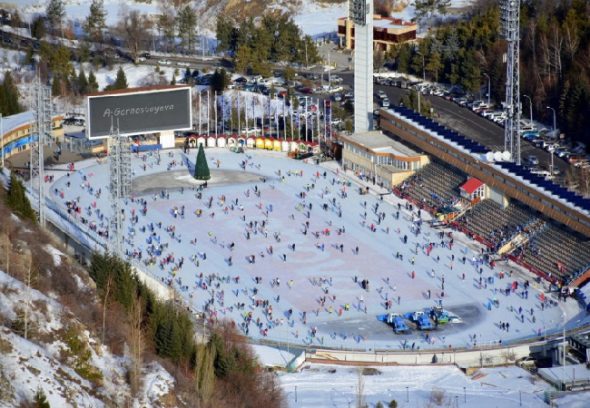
134	112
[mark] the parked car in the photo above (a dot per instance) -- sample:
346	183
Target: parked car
532	160
385	103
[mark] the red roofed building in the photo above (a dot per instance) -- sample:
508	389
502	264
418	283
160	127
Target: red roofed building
473	189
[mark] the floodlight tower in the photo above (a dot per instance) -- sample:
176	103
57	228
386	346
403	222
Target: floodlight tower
511	32
42	109
120	186
361	13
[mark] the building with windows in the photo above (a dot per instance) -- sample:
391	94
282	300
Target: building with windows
380	158
16	133
387	32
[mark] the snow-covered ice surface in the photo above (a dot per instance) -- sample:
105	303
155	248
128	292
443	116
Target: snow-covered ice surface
309	272
318	385
573	400
271	356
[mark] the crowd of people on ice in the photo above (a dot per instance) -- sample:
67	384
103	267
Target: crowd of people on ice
230	293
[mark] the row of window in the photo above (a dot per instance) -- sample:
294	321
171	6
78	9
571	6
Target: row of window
485	170
382	160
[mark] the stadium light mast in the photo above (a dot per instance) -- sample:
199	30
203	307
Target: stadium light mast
511	32
361	13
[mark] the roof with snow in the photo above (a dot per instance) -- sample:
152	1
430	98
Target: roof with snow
380	143
13	122
471	185
389	23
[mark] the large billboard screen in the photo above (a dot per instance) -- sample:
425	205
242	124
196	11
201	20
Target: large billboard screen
138	112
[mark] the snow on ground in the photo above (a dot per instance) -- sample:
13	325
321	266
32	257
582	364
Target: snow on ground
55	253
573	400
15	296
157	382
317	255
33	364
319	18
272	357
30	366
137	75
318	385
79	9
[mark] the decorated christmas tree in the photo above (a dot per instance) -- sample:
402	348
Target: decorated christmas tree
201	167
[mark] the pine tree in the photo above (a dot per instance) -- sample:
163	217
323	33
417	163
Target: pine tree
55	13
219	80
187	23
82	82
38	27
9	98
120	81
201	167
96	20
40	400
92	84
18	201
56	86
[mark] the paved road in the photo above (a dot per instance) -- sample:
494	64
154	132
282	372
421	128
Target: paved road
467	123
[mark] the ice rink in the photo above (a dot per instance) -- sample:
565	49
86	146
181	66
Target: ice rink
303	223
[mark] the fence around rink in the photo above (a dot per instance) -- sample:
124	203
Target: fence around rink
485	354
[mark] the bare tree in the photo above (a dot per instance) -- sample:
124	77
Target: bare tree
137	342
134	27
105	302
29	258
556	48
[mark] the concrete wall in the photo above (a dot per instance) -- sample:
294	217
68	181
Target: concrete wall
463	358
162	292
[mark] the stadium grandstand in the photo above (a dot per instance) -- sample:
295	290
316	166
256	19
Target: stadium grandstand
516	214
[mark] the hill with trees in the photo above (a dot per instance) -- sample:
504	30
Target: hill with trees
253	44
554	62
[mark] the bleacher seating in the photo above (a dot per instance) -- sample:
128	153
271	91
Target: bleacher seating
555	245
435	185
497	225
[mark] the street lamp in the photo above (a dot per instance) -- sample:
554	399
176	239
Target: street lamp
489	87
564	345
530	107
554	119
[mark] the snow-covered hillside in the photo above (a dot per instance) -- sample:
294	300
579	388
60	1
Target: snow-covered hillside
45	347
313	16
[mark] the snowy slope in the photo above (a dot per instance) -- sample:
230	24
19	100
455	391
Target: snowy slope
314	17
320	386
40	362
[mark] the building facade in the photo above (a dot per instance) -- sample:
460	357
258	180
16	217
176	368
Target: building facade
379	158
387	32
16	133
